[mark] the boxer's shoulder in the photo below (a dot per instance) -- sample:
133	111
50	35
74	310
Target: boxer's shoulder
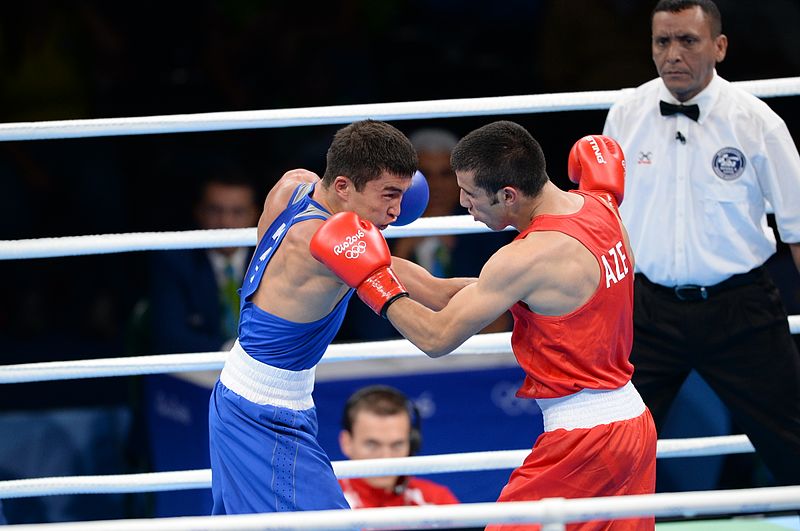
298	176
285	192
281	193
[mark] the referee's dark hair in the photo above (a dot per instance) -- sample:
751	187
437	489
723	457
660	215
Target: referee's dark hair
709	8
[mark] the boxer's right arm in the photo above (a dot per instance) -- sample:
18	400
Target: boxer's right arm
507	277
431	291
354	249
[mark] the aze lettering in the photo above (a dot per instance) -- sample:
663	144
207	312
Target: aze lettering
620	269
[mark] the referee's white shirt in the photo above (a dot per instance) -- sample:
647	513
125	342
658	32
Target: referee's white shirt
694	202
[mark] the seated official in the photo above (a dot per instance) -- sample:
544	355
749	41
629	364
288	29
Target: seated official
194	304
379	421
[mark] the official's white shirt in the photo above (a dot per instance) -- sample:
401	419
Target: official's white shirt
695	208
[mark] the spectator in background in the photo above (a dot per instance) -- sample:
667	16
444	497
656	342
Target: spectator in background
434	253
194	305
379	421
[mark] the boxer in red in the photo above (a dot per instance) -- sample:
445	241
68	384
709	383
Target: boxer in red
568	280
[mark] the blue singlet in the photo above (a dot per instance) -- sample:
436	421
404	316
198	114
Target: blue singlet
262	422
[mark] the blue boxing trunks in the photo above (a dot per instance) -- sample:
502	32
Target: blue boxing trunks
267	434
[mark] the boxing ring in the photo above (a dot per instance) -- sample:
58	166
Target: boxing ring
552	513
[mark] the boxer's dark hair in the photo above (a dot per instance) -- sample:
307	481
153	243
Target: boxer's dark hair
363	150
502	154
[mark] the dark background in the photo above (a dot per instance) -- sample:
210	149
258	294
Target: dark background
70	60
93	59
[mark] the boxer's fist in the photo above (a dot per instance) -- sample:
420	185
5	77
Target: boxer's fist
596	164
354	249
351	247
415	200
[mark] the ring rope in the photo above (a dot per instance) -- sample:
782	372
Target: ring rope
202	239
99	368
342	114
206	361
552	512
397	466
499	342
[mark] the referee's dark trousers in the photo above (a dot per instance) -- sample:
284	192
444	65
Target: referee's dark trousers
736	335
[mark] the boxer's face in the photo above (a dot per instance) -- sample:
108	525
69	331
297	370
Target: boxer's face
376	436
685	52
481	205
379	200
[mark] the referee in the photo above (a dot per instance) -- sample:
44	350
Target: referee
703	159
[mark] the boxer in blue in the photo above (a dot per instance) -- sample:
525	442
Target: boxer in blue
262	420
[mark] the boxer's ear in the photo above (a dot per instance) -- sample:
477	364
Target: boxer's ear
343	187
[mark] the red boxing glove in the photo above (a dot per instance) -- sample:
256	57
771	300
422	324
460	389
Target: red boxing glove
355	250
597	164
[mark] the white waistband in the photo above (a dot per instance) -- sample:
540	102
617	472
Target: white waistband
263	384
590	407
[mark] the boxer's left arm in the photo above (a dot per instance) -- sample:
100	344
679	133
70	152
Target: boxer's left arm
596	164
425	288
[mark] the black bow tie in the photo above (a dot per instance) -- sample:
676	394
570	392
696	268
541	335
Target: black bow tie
691	111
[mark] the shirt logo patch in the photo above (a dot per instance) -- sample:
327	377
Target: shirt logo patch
729	163
645	157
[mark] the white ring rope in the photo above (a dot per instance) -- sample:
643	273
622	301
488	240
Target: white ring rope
342	114
201	239
398	466
99	368
206	361
553	512
202	361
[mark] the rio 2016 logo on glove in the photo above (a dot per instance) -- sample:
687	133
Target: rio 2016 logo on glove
357	250
349	242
